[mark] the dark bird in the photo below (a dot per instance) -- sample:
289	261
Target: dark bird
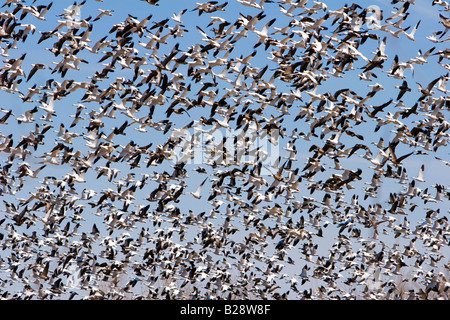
403	89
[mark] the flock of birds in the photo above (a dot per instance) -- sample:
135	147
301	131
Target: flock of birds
91	211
